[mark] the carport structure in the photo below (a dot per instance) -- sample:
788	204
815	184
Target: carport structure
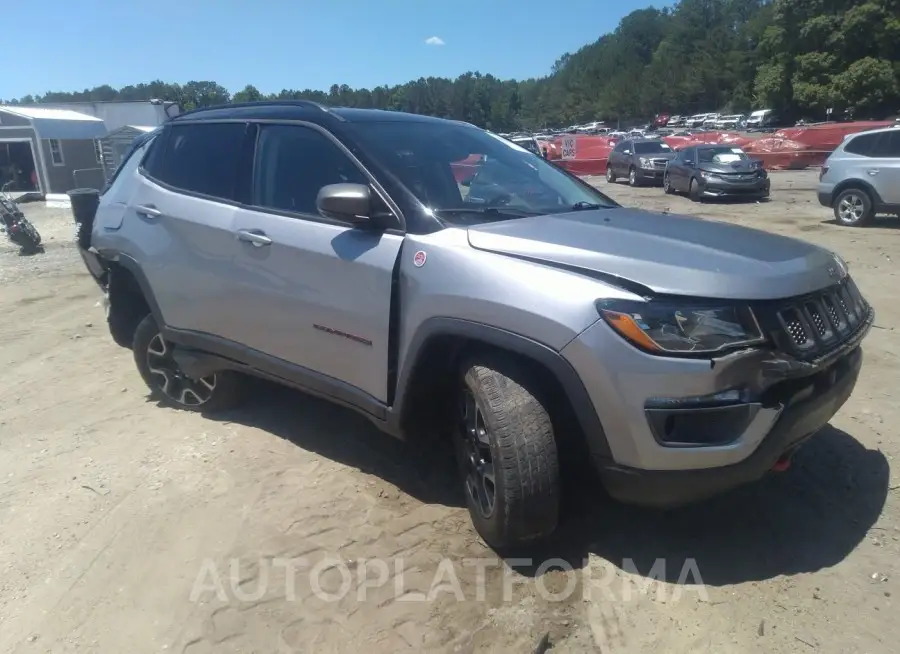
49	150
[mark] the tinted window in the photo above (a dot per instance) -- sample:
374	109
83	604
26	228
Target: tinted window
863	144
201	158
889	144
293	163
651	147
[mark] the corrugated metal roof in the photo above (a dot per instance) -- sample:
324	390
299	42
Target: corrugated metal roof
42	113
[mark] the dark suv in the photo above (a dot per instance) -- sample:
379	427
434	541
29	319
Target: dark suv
640	160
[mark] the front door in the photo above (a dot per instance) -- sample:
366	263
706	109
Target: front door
309	291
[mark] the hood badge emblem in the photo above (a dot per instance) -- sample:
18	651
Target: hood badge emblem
832	271
419	259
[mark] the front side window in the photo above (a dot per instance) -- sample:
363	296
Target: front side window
452	168
889	145
293	163
201	158
56	152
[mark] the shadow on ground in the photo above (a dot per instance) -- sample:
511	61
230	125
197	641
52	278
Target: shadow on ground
808	518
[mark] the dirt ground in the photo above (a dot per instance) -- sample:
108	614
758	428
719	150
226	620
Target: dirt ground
292	526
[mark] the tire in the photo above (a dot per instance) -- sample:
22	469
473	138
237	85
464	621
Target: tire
853	208
610	175
694	191
632	177
507	431
667	185
152	355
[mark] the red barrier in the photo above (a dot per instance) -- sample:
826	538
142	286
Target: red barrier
792	148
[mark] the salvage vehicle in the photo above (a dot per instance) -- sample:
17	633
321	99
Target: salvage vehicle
332	250
716	171
639	161
861	178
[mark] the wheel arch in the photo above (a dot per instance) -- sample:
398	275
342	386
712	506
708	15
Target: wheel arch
130	298
856	183
441	344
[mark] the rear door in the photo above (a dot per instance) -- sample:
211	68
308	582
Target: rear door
312	292
885	169
179	221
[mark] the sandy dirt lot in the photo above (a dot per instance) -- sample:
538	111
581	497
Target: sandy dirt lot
292	526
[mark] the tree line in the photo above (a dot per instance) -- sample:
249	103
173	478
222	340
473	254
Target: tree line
798	57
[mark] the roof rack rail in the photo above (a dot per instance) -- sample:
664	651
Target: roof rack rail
260	103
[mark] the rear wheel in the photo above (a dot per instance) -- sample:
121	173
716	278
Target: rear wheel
853	207
154	358
507	454
610	175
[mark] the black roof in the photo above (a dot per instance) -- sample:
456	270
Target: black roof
296	110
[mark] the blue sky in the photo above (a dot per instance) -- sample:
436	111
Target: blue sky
275	44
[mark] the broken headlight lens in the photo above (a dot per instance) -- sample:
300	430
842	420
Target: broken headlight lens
669	328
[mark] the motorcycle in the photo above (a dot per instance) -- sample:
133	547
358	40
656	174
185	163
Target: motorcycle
18	228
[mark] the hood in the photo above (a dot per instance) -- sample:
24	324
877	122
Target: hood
667	254
742	166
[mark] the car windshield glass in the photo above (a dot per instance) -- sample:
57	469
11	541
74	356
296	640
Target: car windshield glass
651	147
528	144
720	155
451	168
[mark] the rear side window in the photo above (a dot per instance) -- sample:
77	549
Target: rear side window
889	144
863	144
201	158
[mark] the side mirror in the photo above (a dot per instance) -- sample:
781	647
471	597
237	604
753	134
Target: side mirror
688	162
466	182
345	202
626	151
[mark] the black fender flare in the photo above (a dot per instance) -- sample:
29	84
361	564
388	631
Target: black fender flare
131	265
503	339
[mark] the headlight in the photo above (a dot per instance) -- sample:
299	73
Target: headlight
645	162
672	328
706	175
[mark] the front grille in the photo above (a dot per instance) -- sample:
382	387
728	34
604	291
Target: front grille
815	324
659	163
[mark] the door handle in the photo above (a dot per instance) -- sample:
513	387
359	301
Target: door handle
255	237
872	171
148	211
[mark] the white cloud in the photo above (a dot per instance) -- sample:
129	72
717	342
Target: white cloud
434	40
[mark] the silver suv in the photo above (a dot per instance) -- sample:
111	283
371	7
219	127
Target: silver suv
338	251
861	178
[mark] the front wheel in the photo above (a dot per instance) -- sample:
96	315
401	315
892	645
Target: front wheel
694	191
632	177
154	358
667	185
507	455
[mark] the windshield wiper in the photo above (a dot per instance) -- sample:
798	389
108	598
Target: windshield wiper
499	212
586	206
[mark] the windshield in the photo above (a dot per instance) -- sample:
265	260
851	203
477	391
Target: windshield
529	144
452	168
651	147
724	154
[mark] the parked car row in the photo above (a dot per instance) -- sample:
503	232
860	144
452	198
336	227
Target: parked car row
701	171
